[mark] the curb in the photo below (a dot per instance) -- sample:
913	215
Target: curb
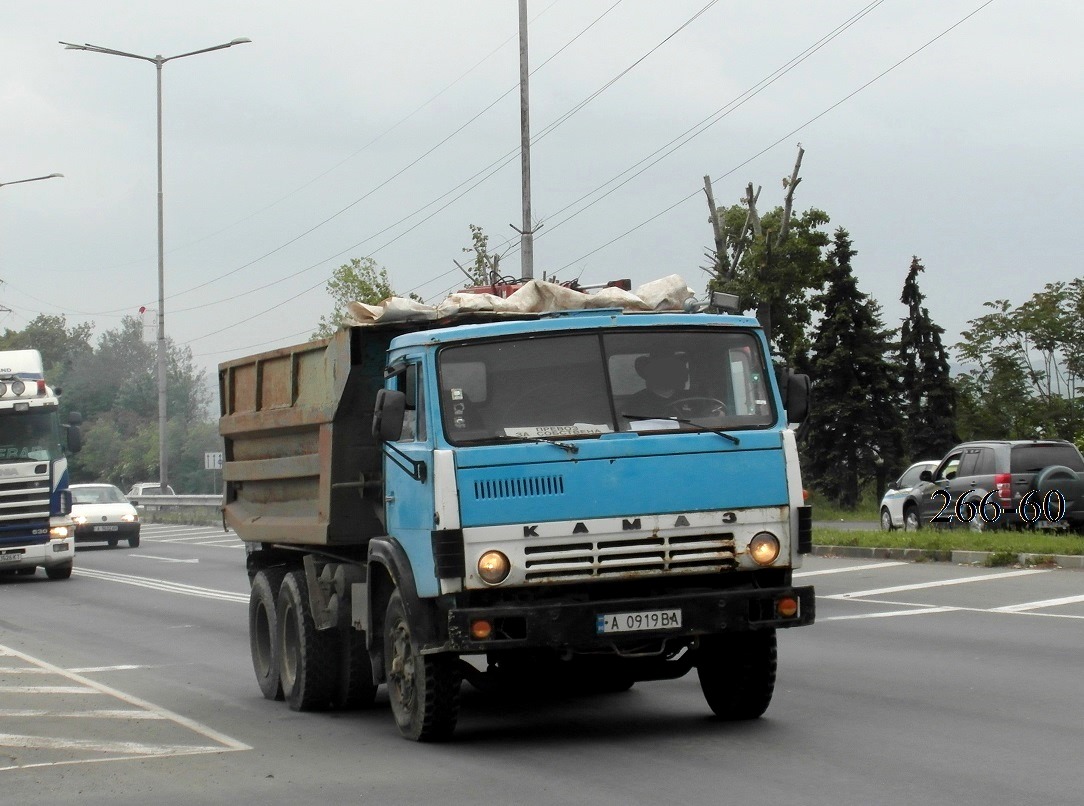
953	556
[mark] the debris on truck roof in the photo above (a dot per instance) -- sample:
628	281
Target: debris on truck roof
536	296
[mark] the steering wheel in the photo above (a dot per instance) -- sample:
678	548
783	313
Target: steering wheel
690	407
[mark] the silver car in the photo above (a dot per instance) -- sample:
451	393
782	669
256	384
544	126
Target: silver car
892	505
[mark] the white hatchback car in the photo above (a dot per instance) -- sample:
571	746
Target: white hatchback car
102	513
899	491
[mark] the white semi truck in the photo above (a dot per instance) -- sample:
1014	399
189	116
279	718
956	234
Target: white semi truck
35	504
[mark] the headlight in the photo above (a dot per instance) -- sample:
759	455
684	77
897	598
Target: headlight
80	519
59	532
764	548
128	518
493	567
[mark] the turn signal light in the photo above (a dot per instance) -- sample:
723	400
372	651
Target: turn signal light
787	607
480	629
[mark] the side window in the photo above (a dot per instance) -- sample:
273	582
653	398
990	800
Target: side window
948	468
985	464
970	462
410	383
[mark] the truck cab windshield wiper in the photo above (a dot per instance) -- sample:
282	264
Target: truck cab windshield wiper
567	446
683	421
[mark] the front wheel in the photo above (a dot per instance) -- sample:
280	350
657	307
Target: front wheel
911	522
737	673
423	689
133	542
886	520
59	571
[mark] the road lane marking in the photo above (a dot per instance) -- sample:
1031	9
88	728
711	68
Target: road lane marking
100	713
45	690
917	611
848	568
938	584
163	585
157	557
1020	608
222	742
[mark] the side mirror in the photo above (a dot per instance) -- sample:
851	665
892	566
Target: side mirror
797	397
75	418
388	415
893	486
926	475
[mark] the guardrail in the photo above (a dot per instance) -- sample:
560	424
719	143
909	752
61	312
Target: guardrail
158	501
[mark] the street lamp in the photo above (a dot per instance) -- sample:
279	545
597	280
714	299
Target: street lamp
31	179
158	61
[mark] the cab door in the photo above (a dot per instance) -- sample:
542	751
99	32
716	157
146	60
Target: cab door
408	474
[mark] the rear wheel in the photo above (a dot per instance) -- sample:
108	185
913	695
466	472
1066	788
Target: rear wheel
423	689
263	630
308	666
133	542
59	571
737	673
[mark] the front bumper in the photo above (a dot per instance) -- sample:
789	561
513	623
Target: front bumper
573	625
45	555
91	532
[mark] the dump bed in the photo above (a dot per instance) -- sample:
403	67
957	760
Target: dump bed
301	466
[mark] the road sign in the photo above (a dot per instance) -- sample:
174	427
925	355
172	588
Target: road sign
212	461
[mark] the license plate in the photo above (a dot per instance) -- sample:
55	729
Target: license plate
10	558
112	528
634	622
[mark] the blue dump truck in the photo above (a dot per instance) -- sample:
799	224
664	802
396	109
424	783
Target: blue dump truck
35	504
573	500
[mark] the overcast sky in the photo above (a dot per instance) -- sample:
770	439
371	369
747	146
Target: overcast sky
348	129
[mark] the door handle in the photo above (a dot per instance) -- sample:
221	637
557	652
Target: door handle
389	498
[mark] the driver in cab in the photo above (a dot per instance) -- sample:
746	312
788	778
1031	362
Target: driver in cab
665	378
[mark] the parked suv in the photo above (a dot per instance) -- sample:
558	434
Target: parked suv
1003	473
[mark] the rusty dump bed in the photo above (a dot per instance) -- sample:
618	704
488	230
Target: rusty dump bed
301	464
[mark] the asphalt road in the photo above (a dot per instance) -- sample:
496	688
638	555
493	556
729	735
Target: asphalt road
920	683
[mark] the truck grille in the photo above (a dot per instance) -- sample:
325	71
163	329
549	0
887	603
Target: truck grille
24	499
608	557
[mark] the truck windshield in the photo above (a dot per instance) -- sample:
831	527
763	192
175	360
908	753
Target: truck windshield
585	384
29	436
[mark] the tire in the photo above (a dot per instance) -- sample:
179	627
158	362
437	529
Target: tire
133	542
886	520
737	673
911	521
112	542
1065	481
355	688
59	571
423	689
308	658
263	630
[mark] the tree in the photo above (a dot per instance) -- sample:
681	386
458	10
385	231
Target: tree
853	434
773	262
360	280
1037	346
60	346
485	270
930	396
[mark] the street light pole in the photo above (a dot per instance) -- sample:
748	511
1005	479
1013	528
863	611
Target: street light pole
31	179
158	61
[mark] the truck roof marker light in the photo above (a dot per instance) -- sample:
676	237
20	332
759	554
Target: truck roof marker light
493	567
764	548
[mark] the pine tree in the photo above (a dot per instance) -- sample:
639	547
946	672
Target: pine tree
853	433
930	408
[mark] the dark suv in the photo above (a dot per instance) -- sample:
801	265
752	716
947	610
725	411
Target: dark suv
997	483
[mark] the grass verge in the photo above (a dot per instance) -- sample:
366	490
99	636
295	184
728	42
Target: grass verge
958	540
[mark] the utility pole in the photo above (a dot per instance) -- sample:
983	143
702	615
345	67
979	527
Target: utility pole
527	233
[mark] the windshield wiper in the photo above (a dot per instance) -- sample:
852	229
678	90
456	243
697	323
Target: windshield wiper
568	446
683	421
